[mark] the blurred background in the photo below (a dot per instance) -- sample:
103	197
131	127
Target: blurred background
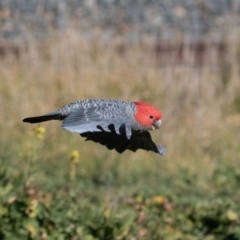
181	56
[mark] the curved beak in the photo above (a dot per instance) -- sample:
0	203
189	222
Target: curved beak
157	124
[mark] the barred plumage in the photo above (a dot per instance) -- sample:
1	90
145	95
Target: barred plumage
102	120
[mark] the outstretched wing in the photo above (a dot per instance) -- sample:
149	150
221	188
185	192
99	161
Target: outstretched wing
119	142
85	116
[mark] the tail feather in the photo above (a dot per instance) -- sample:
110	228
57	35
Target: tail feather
44	118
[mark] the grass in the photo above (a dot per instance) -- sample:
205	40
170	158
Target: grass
53	185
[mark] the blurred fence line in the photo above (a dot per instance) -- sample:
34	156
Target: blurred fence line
22	20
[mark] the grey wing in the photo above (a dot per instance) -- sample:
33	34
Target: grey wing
88	116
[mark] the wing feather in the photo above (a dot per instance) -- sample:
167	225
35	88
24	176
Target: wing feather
82	120
112	140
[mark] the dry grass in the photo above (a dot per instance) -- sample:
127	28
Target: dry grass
197	102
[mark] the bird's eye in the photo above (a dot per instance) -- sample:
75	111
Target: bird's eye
151	117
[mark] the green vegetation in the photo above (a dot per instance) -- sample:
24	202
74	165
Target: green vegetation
53	185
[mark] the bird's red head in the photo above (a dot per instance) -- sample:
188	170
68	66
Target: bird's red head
147	115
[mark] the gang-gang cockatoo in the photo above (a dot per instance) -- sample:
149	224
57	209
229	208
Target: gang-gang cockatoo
117	124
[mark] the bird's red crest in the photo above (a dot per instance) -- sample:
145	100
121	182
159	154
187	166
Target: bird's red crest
147	114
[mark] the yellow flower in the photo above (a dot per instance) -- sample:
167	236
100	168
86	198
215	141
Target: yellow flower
231	215
139	199
158	200
39	132
75	156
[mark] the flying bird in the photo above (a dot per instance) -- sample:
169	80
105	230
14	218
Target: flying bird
116	124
